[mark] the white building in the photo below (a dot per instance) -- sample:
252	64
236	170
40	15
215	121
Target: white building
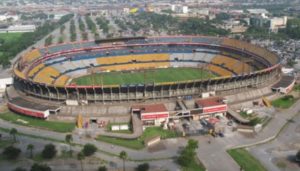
6	17
277	23
19	29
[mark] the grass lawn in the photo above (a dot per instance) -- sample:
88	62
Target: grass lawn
38	123
157	76
10	36
284	102
139	143
195	165
246	160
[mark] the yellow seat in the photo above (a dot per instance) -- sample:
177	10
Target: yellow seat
31	55
218	70
46	75
35	69
62	80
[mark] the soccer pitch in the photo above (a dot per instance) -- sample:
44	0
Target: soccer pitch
145	76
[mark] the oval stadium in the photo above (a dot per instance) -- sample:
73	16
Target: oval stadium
138	69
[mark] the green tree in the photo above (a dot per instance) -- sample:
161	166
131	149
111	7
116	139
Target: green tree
30	147
19	169
293	28
80	157
69	140
13	132
143	167
298	156
89	149
188	153
49	151
40	167
123	155
102	168
11	152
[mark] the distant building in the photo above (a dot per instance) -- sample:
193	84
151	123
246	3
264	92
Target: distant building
18	29
257	11
180	9
273	24
6	17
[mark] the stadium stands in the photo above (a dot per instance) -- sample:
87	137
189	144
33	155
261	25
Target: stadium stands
132	58
135	66
35	69
46	75
237	66
219	70
61	80
271	57
31	55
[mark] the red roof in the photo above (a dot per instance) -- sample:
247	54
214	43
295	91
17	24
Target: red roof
152	108
209	102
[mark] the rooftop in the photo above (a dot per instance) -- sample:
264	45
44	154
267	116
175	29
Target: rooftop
152	108
208	102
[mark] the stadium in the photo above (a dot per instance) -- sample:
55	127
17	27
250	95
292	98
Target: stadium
137	69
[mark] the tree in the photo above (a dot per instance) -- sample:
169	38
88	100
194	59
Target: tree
80	157
30	147
13	132
102	168
40	167
49	151
188	153
69	140
298	156
143	167
89	149
123	155
20	169
11	152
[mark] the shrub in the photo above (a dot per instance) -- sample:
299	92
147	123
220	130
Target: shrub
40	167
49	151
11	152
143	167
89	149
102	168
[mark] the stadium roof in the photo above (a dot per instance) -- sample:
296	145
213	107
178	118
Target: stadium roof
152	108
31	105
209	102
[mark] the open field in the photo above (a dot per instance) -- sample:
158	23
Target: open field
38	123
146	76
139	143
284	102
246	160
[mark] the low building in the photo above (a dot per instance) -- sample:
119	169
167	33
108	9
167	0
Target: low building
209	107
153	114
18	29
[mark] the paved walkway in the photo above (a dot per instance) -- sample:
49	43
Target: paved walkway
213	153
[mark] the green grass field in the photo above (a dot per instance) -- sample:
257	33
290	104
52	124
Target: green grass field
157	76
246	160
38	123
139	143
284	102
10	36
